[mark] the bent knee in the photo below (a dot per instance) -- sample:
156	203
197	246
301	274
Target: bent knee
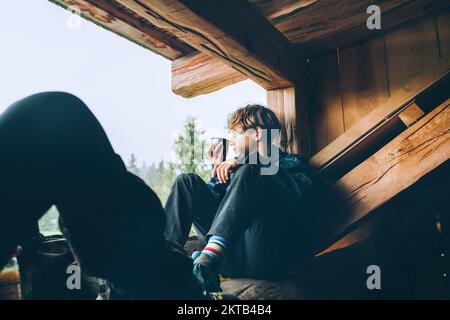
47	104
60	101
50	97
187	177
56	95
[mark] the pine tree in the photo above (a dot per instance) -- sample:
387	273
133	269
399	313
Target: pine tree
132	165
189	148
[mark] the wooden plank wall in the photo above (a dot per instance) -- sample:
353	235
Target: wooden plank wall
347	84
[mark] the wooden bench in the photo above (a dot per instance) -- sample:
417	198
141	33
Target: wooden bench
383	175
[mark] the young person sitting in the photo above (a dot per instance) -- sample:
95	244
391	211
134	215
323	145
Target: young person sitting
252	215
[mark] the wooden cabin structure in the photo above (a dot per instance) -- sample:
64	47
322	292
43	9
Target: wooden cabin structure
369	107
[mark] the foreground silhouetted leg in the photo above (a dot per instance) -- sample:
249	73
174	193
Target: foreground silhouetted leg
54	151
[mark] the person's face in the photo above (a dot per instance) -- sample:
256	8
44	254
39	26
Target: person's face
243	141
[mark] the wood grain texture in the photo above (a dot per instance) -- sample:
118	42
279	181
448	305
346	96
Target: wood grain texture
373	73
443	27
199	73
292	109
329	24
362	233
364	79
276	102
399	164
411	114
114	17
280	9
410	52
254	289
386	110
236	34
287	105
327	120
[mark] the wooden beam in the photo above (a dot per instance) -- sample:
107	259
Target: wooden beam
410	156
116	18
199	73
229	30
291	110
411	115
282	102
356	236
376	122
327	24
277	10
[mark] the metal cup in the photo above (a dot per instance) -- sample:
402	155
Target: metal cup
225	144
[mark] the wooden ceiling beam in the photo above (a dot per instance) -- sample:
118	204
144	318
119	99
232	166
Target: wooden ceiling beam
280	9
114	17
325	25
199	73
230	30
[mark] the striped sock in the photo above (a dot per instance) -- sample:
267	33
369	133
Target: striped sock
216	248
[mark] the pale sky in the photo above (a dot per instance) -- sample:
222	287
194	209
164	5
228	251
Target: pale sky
127	87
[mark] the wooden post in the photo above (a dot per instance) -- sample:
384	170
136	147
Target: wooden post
291	107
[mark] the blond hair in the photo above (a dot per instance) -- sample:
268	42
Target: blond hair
253	116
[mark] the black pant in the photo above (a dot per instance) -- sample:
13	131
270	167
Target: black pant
257	216
54	151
